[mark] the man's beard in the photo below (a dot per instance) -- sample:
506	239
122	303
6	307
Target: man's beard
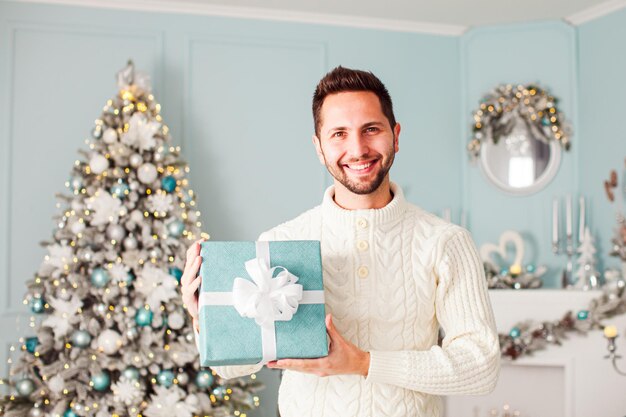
363	188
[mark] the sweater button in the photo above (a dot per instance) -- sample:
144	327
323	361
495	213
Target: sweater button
361	223
363	271
362	245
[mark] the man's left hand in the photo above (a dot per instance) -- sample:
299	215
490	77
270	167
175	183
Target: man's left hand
344	358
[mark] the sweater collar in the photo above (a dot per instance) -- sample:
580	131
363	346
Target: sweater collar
392	211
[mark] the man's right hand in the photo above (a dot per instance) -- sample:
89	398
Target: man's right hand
190	281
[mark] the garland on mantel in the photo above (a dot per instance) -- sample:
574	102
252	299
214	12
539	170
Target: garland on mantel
527	337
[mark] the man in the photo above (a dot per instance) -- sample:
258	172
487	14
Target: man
393	274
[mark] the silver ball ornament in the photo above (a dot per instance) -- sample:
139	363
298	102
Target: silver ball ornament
147	173
109	136
109	341
81	338
98	163
132	333
135	160
182	378
176	321
131	373
35	412
116	232
137	216
130	242
25	387
100	308
86	254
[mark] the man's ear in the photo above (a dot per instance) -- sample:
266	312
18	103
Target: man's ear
318	149
396	134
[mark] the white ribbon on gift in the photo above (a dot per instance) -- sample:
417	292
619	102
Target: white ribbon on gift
267	299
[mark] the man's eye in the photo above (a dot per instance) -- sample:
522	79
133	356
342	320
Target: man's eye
338	134
371	129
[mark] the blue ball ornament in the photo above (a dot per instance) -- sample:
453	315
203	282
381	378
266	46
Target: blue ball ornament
101	381
219	392
31	344
120	189
530	268
515	332
204	379
143	317
37	305
100	277
81	339
168	183
176	228
70	413
130	277
504	271
131	373
165	378
583	314
176	273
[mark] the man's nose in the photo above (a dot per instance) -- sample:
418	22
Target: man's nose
358	146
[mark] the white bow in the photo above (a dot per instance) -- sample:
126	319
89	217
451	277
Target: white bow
272	298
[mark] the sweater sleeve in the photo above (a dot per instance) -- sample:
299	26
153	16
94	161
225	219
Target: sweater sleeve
468	361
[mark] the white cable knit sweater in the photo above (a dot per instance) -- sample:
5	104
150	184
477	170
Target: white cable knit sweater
392	277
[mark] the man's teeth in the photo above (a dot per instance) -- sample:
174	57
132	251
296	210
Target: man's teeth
360	167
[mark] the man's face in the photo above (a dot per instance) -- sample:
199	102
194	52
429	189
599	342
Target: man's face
356	142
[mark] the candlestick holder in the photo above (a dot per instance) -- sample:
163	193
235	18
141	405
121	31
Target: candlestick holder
612	355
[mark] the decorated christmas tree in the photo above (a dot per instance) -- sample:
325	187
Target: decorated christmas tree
112	336
587	274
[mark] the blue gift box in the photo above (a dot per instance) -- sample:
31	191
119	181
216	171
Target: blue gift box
228	338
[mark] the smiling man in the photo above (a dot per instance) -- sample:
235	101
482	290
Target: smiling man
393	275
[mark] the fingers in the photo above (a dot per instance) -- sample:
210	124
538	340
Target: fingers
191	271
298	364
319	367
330	328
193	251
193	285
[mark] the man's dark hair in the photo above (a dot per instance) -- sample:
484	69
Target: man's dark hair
343	79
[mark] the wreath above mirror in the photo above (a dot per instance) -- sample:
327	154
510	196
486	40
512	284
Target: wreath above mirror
506	105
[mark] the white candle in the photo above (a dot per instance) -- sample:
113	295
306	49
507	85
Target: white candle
568	215
555	221
581	222
464	219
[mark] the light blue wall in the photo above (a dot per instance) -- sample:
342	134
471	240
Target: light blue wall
236	94
602	110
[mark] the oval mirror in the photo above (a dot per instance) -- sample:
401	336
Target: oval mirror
520	163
